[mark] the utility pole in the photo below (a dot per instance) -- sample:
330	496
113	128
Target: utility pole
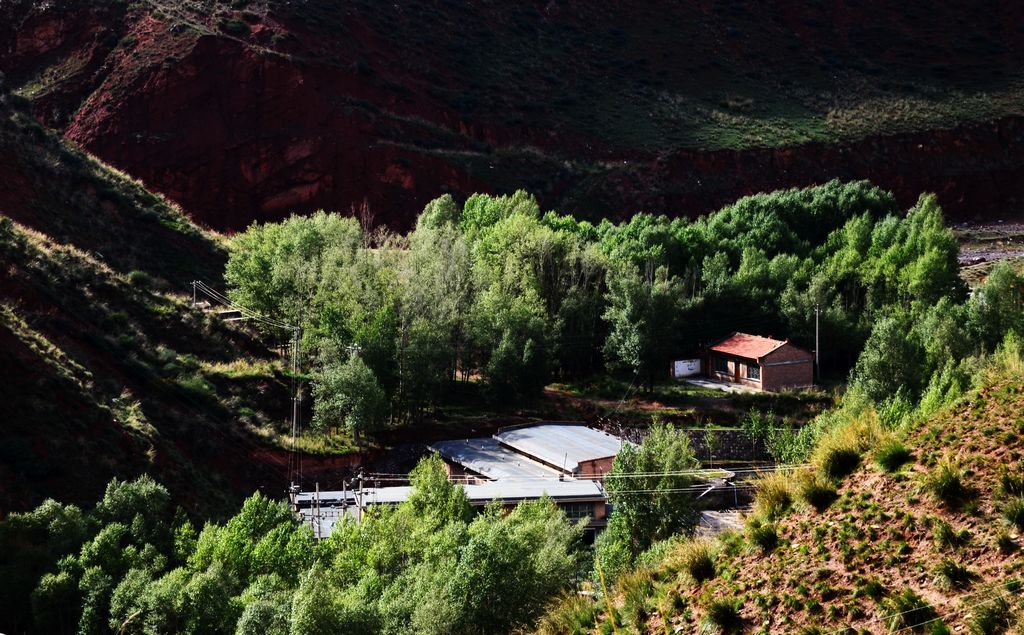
359	498
317	515
193	293
296	470
817	342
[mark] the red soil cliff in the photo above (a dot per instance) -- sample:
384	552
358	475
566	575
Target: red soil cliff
243	115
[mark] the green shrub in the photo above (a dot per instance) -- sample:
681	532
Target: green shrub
907	611
872	588
892	455
234	26
140	279
635	587
724	614
763	535
838	463
1013	511
945	482
939	628
572	613
991	617
1011	482
1005	543
817	492
952	575
695	559
945	537
774	495
839	451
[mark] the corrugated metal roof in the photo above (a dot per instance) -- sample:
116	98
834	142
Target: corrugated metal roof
513	490
509	491
561	445
479	494
489	458
746	345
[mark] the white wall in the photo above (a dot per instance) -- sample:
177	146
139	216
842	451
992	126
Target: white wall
685	367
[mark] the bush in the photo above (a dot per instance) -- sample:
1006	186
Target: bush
907	610
140	279
724	614
696	559
764	535
571	614
1005	543
946	537
234	26
892	455
1013	511
635	587
946	483
991	617
838	463
839	452
872	588
939	628
774	495
1011	483
952	575
816	492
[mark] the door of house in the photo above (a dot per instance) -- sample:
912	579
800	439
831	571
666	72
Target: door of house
736	372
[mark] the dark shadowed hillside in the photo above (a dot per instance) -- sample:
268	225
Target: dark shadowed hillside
105	368
254	109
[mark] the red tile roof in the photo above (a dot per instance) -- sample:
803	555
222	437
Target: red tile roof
748	346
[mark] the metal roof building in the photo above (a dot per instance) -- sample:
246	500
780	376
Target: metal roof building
578	499
570	448
488	458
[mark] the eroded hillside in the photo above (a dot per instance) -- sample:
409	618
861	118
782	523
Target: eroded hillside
254	109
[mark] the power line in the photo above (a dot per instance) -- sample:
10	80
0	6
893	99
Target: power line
294	458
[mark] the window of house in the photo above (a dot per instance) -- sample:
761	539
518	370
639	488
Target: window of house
753	372
577	511
721	365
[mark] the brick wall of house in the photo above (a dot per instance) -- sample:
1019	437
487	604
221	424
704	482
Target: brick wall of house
730	377
787	367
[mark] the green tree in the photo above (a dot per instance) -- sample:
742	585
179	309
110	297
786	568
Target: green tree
892	360
997	306
348	394
644	486
642	313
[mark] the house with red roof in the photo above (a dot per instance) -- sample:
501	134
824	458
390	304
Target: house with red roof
760	362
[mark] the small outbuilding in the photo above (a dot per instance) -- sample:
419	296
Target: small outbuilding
760	362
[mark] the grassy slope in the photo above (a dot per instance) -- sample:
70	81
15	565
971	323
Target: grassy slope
882	527
105	368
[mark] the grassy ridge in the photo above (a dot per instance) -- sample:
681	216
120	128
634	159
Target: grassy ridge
885	531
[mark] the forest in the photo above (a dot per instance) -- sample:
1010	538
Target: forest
497	293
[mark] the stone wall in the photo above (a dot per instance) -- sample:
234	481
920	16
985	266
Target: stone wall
730	444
